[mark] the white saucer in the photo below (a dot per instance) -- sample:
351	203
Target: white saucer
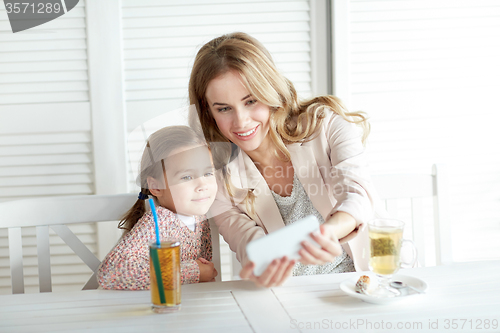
347	286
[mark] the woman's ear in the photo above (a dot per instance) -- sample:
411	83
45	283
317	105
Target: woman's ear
153	186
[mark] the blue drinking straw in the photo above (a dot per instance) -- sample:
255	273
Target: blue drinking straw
154	255
155	216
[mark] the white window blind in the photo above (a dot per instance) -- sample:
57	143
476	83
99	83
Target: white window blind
44	109
427	74
45	133
160	41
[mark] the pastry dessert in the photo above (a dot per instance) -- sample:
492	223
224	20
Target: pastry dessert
362	284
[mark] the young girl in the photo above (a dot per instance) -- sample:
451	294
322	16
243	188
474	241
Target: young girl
177	170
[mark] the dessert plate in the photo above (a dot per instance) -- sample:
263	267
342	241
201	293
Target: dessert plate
348	285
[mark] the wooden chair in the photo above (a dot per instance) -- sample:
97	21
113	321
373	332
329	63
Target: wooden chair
417	187
216	252
57	213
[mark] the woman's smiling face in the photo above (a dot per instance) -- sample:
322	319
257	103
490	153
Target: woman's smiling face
240	117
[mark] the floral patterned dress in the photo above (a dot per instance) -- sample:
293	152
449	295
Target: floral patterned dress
127	265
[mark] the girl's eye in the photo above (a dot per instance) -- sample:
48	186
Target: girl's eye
209	174
223	109
252	101
186	178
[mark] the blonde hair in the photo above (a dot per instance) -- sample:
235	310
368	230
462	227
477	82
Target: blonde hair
159	146
290	120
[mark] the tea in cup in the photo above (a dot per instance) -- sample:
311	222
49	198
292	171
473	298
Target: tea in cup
386	241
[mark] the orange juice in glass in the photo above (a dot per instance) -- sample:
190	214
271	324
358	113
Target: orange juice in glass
165	276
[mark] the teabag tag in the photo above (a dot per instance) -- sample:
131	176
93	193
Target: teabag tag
283	242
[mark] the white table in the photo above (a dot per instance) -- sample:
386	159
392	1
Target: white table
468	293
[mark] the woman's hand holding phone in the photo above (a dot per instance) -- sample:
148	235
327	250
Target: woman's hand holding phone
275	274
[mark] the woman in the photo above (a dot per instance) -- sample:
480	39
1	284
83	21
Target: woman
283	159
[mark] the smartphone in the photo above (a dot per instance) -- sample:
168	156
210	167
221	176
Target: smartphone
283	242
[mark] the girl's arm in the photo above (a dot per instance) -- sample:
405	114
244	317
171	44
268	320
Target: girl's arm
190	272
206	241
200	270
127	269
126	266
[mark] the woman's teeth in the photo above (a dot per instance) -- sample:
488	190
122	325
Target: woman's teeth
247	133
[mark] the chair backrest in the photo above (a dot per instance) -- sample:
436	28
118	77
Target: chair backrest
216	252
57	213
417	187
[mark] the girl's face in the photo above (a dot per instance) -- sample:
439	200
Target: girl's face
240	117
190	181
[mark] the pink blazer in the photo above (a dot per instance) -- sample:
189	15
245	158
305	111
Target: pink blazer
333	171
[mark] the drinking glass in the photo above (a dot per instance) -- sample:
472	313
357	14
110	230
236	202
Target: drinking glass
165	276
386	241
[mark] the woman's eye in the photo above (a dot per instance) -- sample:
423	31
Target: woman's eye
209	174
252	101
186	178
223	109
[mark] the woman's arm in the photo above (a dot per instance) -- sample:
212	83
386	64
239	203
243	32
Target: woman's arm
350	186
275	274
349	172
339	224
238	229
342	224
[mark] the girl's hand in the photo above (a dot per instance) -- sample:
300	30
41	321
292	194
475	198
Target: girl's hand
203	261
207	270
330	247
275	274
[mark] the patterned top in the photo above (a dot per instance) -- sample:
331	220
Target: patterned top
297	206
127	265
